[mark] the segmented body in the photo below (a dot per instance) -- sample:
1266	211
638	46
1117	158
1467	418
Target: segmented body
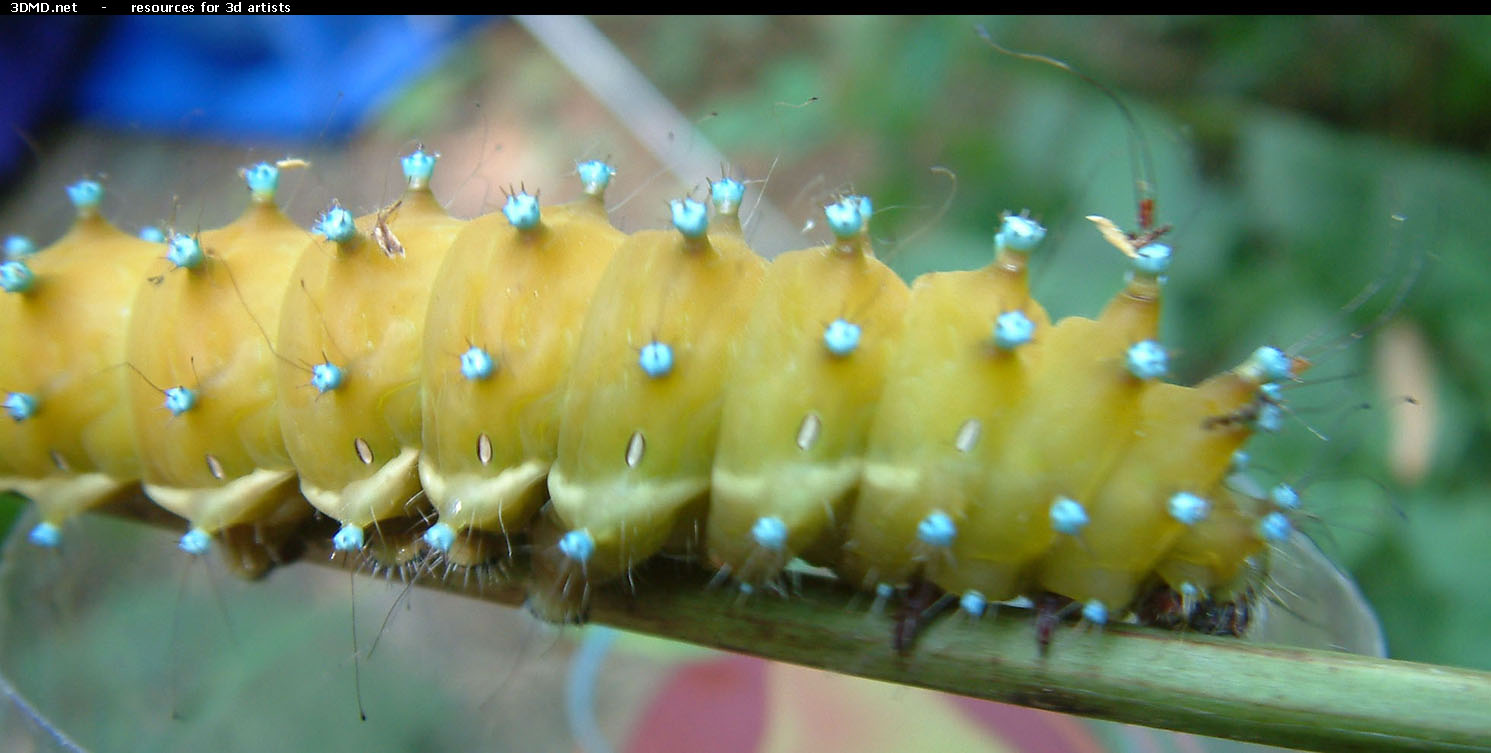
431	382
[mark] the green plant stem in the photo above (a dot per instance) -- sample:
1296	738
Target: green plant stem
1296	698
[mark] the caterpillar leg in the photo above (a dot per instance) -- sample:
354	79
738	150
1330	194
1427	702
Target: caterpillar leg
924	602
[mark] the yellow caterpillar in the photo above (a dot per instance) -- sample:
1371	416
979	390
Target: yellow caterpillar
428	383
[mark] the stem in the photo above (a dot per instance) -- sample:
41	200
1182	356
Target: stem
1296	698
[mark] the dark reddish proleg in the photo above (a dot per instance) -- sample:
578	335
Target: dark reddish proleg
1049	609
1163	607
923	603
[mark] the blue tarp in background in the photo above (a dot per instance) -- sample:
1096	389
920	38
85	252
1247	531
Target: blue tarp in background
240	78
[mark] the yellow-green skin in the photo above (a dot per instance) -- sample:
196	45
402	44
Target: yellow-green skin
1179	447
363	309
1060	416
522	296
945	372
784	375
695	295
206	329
1213	554
65	343
1077	414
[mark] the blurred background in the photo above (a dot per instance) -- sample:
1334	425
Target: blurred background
1300	161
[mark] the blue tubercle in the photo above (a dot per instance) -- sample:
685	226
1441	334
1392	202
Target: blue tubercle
1273	392
1095	612
522	211
336	224
726	195
577	545
441	537
348	538
690	217
1012	329
16	277
595	176
85	194
1147	359
1018	233
418	166
1152	260
844	217
328	376
841	337
770	533
185	251
937	530
477	364
1068	516
1189	509
17	246
656	359
1285	496
152	234
21	405
263	180
866	208
973	603
195	541
1274	527
1270	418
45	535
180	400
1269	364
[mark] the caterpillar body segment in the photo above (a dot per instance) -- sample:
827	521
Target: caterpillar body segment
504	320
203	324
1078	413
1165	483
1224	554
952	391
68	441
799	403
351	338
642	412
1218	556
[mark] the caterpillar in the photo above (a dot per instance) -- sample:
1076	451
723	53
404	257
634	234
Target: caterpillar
708	401
186	255
448	354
